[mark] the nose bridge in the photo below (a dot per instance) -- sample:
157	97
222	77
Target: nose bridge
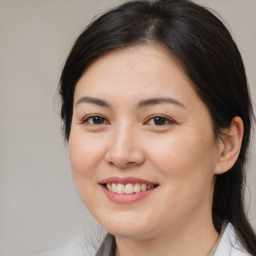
123	149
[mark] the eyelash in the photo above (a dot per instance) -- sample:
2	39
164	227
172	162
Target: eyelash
86	120
163	120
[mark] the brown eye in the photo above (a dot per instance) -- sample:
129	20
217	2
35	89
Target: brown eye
159	120
95	120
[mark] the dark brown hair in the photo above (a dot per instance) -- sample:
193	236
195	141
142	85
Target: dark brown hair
208	55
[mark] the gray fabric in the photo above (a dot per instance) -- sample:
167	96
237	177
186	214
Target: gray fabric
108	247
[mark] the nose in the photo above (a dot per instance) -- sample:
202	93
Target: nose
124	150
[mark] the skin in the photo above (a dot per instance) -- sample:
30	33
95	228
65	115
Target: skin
181	155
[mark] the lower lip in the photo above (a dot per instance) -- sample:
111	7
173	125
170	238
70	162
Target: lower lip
126	198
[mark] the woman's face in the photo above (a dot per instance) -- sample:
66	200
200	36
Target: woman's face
142	147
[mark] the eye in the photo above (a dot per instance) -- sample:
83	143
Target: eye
95	120
160	121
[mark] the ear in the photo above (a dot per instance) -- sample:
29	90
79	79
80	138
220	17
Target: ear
230	141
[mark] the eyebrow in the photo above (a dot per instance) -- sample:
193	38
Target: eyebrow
95	101
142	103
161	100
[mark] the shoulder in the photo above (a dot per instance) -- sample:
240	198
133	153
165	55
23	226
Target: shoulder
229	244
75	246
62	251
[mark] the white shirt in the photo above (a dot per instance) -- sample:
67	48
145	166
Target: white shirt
229	245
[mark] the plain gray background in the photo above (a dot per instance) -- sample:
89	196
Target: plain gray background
39	207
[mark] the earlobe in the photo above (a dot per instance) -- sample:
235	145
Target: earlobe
230	141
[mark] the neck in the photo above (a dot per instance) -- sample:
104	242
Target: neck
195	238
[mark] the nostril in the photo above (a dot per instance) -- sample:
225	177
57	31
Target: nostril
122	165
123	157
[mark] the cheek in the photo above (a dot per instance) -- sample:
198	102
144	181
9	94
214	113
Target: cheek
184	158
186	172
85	155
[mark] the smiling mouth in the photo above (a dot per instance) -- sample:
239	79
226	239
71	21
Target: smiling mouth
129	188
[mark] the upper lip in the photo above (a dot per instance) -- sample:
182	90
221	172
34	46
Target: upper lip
126	180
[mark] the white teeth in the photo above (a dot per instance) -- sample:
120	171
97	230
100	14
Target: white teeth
109	187
136	188
113	187
120	188
129	188
143	187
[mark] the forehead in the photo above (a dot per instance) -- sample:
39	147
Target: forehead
131	57
138	70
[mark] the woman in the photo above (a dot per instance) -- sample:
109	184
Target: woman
157	115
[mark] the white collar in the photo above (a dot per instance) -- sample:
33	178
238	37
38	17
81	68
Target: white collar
229	244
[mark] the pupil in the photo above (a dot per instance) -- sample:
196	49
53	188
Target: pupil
98	120
159	120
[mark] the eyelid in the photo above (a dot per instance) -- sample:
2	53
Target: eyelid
170	120
86	118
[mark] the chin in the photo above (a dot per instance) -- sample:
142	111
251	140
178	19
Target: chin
127	226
